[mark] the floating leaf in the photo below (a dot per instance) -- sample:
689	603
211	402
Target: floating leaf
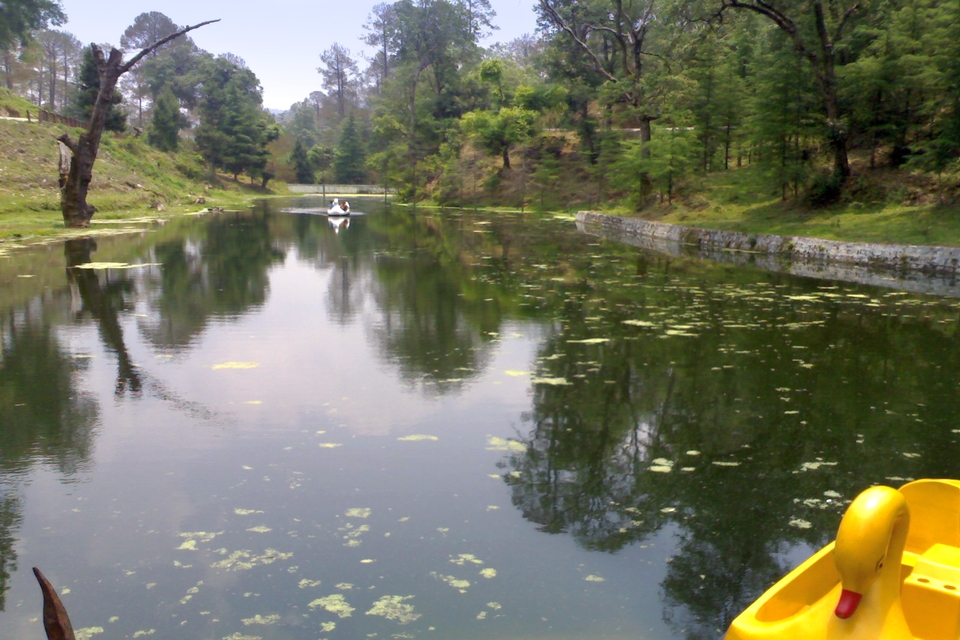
235	365
500	444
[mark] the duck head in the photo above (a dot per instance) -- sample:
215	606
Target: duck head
869	549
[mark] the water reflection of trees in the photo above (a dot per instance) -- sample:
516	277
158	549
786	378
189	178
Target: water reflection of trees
44	416
784	403
220	272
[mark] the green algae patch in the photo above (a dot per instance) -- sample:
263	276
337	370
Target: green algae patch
394	608
453	581
418	438
359	512
244	559
258	619
334	603
464	558
87	632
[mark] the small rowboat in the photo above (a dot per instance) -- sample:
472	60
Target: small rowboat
893	573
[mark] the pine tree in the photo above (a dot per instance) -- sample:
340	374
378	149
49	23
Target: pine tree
301	163
87	92
166	123
348	165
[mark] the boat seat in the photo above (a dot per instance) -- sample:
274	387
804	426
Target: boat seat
934	514
930	593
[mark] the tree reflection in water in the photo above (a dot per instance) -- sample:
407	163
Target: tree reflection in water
739	427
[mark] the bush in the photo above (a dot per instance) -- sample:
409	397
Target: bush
824	190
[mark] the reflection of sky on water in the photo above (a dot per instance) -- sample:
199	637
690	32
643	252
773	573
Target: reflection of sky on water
111	536
281	364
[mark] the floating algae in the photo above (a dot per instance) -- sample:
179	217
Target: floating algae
394	608
258	619
245	559
359	512
488	573
246	512
418	438
308	583
334	603
453	581
260	529
87	632
464	558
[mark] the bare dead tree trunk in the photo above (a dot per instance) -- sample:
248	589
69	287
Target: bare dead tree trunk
73	192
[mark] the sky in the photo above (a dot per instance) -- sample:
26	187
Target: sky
281	41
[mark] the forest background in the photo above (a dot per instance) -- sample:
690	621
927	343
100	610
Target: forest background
689	111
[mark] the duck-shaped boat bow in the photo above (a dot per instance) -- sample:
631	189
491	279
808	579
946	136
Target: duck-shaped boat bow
893	573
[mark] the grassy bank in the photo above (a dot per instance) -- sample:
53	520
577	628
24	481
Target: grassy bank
885	206
132	181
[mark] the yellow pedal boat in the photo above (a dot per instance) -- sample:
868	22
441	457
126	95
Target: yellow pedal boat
893	573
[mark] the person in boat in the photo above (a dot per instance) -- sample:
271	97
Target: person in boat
345	206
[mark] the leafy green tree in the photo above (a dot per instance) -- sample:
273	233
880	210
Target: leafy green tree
19	18
820	31
348	164
86	97
339	73
301	163
164	132
233	130
498	131
782	121
147	28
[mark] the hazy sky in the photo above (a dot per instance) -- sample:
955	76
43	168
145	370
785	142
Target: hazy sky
281	40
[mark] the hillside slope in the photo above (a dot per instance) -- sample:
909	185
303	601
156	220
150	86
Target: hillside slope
131	179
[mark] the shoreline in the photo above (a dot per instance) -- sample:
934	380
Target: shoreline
916	268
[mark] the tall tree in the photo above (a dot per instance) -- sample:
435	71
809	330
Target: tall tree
624	41
380	25
146	29
301	163
164	132
350	154
820	31
233	131
88	92
74	187
339	73
19	18
60	51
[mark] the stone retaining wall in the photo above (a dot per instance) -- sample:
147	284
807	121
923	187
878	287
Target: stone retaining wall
898	257
921	269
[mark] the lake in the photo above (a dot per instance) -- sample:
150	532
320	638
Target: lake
427	424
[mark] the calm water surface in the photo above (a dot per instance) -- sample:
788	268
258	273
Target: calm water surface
256	425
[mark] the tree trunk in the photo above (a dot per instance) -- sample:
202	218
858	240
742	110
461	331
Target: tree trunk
73	191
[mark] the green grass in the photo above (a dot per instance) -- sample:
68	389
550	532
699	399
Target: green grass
131	181
740	200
